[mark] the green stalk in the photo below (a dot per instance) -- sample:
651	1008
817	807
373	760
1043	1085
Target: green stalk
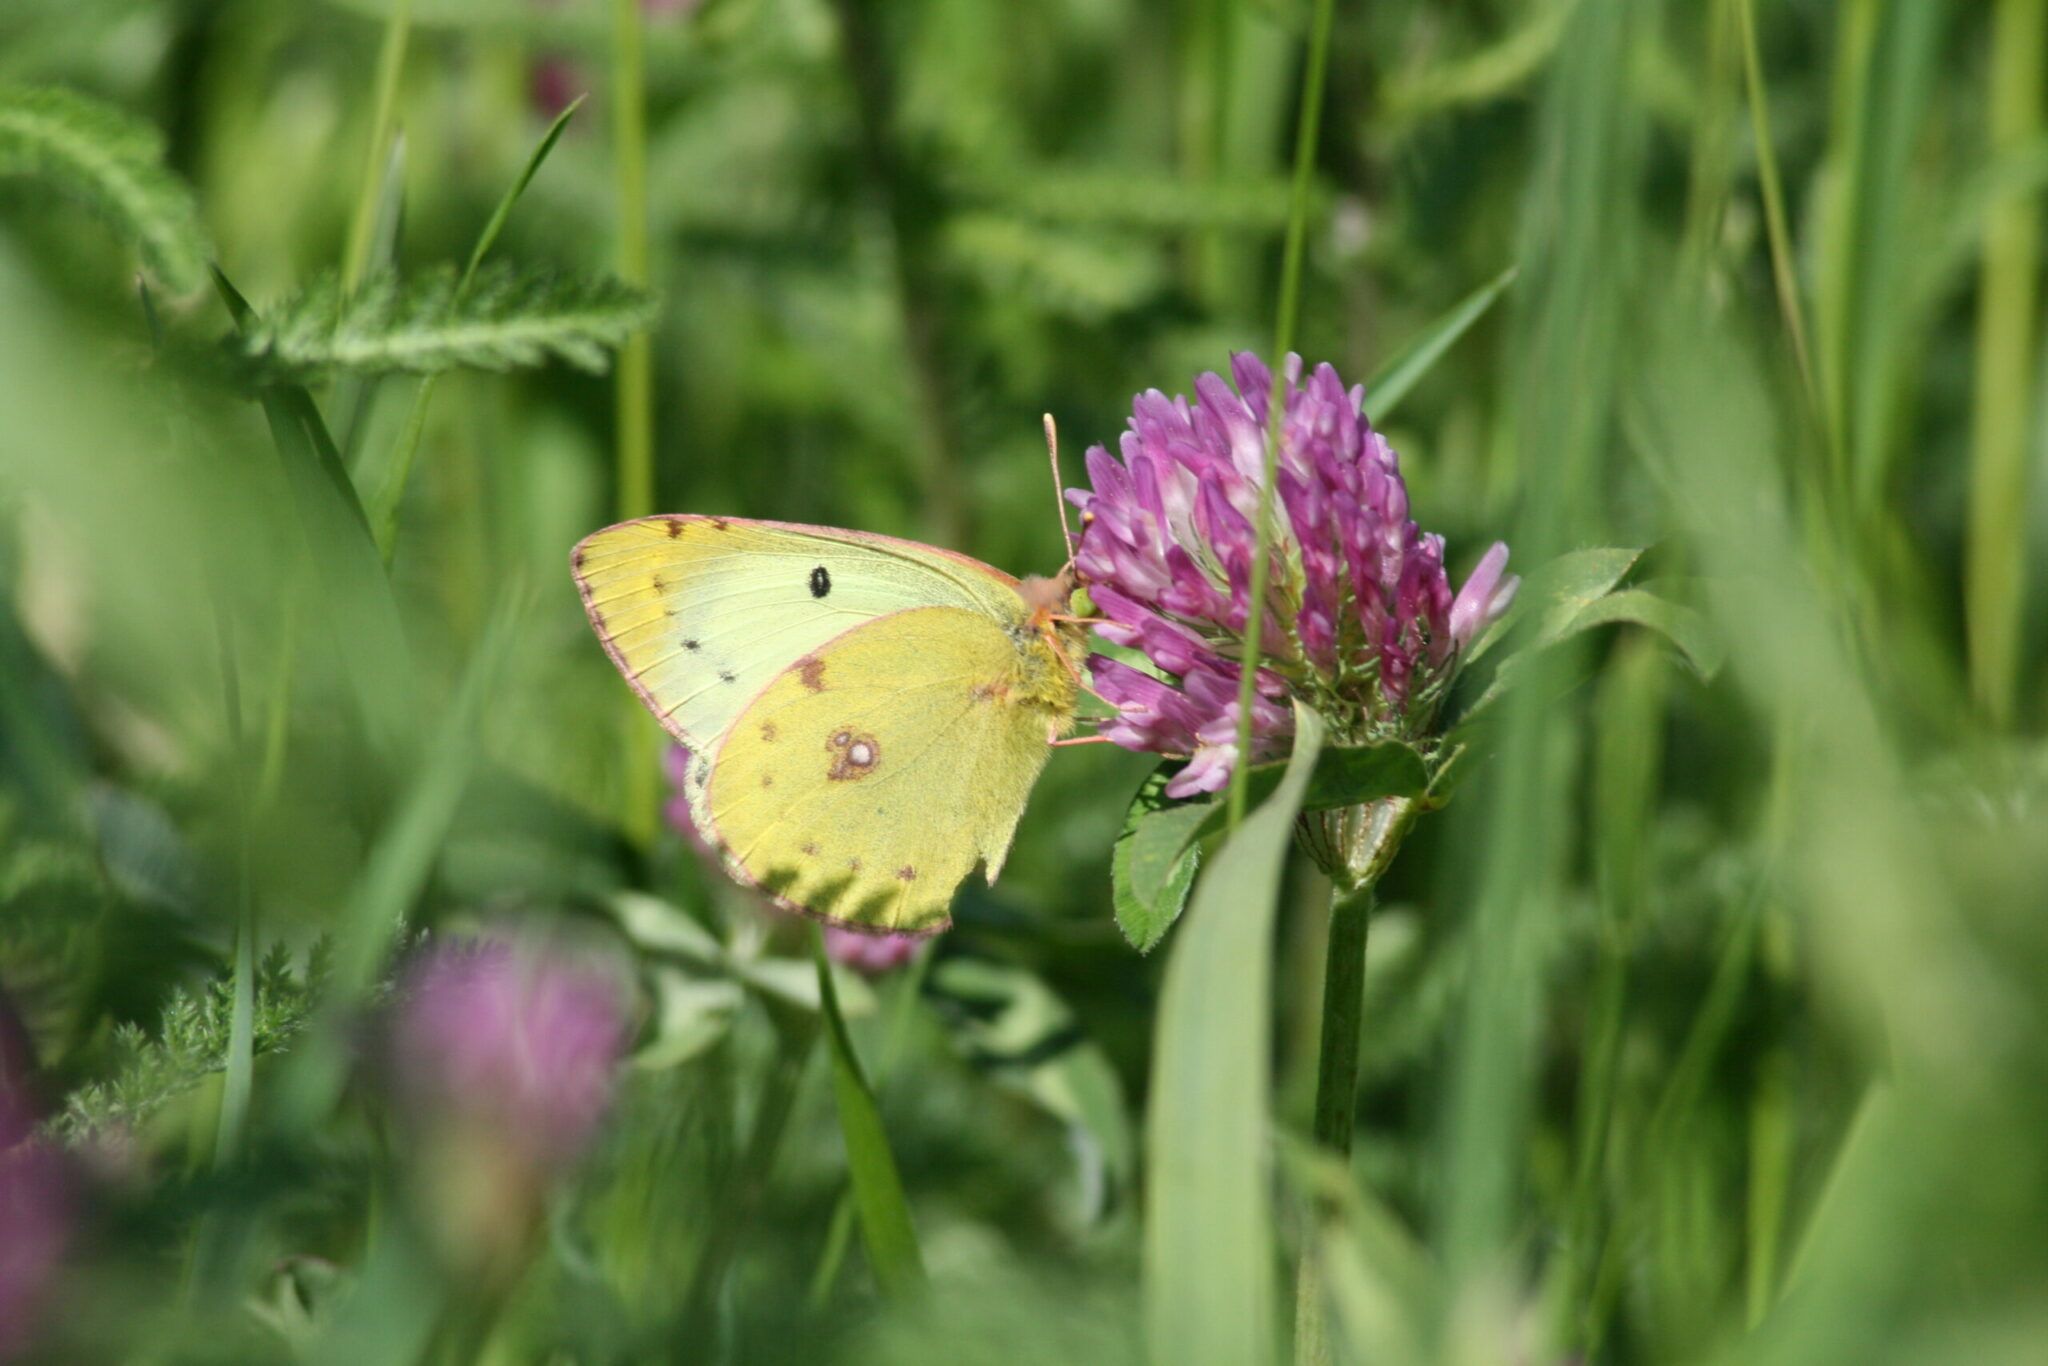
1308	130
362	228
1994	583
635	409
1336	1093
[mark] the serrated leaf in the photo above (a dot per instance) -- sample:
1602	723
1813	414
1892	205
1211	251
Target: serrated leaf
1152	864
507	318
113	164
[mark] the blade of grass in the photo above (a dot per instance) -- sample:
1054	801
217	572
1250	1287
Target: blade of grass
362	232
1885	67
634	412
1577	247
384	505
1994	582
398	866
348	574
886	1229
237	1082
1308	130
352	397
840	1232
1208	1268
1405	368
1784	274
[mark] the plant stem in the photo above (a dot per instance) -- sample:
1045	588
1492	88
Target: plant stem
1995	568
635	407
1336	1092
1308	130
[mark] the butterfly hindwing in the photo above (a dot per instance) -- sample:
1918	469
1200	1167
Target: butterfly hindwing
862	785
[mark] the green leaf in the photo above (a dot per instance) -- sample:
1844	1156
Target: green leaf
1405	369
1208	1275
1558	592
1152	865
113	164
690	1014
885	1224
1154	860
507	318
1677	623
1016	1030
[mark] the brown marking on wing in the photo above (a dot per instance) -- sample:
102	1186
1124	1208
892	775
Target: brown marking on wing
810	671
906	873
853	755
992	692
768	731
810	847
675	527
719	524
767	780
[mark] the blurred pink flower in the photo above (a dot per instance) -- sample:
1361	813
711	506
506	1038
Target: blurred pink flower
512	1041
872	954
1360	620
35	1222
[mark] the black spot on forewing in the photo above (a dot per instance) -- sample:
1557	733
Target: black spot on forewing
728	676
821	582
691	645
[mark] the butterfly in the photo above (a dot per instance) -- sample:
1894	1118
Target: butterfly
865	716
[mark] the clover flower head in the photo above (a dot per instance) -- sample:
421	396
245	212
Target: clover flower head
510	1040
1359	618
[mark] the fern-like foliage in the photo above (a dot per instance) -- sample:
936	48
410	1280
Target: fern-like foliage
192	1044
509	318
113	164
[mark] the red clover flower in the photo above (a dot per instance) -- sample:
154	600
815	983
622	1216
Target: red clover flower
1360	623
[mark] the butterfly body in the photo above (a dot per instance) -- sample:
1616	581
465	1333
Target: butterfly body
866	715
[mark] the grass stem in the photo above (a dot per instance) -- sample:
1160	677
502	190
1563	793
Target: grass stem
1308	130
1994	574
635	376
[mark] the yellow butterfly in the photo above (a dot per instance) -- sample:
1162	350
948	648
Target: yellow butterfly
865	715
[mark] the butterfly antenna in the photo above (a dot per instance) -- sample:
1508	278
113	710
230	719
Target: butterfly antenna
1059	492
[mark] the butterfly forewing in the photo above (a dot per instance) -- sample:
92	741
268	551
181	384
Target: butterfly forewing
700	613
